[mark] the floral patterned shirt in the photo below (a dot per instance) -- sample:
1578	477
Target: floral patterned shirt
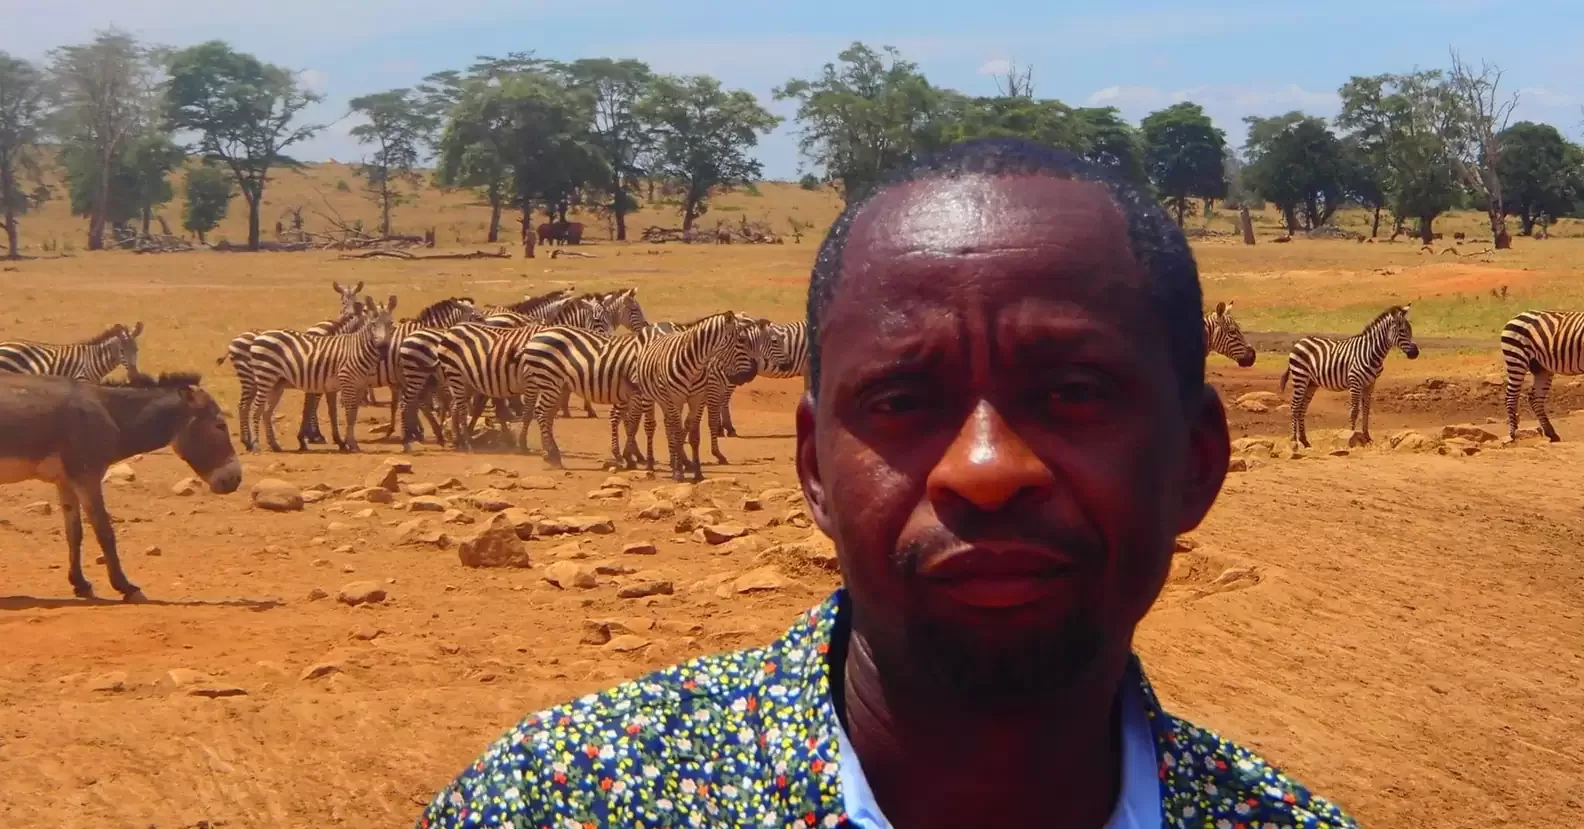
749	738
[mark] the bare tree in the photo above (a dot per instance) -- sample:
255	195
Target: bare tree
1476	149
1015	84
104	91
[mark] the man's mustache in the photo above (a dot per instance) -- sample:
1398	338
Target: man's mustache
1082	547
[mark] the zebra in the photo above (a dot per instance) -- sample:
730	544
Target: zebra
1223	336
348	320
480	360
1544	343
1354	364
438	316
92	359
783	354
673	372
341	364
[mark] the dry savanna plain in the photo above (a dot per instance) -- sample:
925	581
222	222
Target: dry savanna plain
1398	626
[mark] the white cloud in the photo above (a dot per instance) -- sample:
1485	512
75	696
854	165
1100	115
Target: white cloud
1226	104
314	81
995	66
1539	96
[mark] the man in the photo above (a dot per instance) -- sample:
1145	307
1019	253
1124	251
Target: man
1006	427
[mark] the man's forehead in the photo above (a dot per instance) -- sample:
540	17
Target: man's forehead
985	213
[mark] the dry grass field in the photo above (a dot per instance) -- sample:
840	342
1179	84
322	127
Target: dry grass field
1400	629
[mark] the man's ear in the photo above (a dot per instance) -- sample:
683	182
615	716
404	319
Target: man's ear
1209	455
807	457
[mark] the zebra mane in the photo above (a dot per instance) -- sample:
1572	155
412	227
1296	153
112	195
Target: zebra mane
166	380
108	334
436	307
1390	311
705	318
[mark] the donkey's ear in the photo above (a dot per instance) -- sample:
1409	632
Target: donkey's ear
337	286
189	395
137	330
359	288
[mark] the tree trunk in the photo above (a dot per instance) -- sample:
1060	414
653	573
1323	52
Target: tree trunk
495	216
1526	223
527	229
385	204
7	184
96	216
687	216
1425	225
148	219
1180	205
1247	222
201	239
1290	218
1499	235
1375	223
253	200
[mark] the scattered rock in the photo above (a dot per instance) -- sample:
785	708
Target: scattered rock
759	580
426	503
1410	440
495	545
182	677
153	550
1268	398
361	592
322	669
276	495
577	525
421	489
639	548
595	633
1184	544
776	495
491	469
316	594
216	691
797	517
521	521
571	549
626	643
698	517
39	508
1265	446
606	493
450	484
616	482
488	500
402	467
1467	432
716	487
612	568
120	473
569	574
111	682
1238	465
642	589
383	478
536	482
188	486
456	516
375	495
314	496
741	545
1459	446
752	505
366	512
658	511
420	533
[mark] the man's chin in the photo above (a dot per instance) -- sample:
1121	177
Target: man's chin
1001	662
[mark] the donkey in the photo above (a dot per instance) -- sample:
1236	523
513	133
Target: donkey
68	433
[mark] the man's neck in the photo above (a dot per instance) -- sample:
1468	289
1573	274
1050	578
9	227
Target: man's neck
935	761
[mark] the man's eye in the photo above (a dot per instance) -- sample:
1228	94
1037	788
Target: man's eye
897	402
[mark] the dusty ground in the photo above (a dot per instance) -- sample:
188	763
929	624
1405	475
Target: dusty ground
1399	629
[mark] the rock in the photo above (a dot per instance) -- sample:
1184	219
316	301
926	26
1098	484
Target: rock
698	517
421	489
314	496
722	533
626	643
1264	446
488	500
216	691
120	474
569	574
402	467
456	516
1409	440
495	545
678	494
276	495
595	633
718	486
577	525
536	482
1253	406
182	677
491	469
337	527
521	521
188	486
153	550
419	533
606	493
111	682
316	594
752	505
361	592
363	513
616	482
571	549
377	495
450	484
639	548
1269	398
39	508
644	588
367	634
383	478
797	517
1467	432
1459	446
658	511
776	495
742	545
820	551
1238	465
322	669
426	503
612	568
1184	544
758	581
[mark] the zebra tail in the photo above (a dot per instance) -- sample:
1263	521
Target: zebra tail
1283	386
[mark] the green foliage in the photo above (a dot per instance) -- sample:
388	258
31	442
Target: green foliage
1183	153
617	87
811	182
22	114
1296	162
209	192
139	178
1402	123
397	125
1541	173
702	135
242	110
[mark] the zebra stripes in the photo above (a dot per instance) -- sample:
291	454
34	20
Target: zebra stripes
1224	337
438	316
340	364
1353	364
1545	344
672	372
90	360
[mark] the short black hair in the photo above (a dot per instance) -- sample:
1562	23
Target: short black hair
1157	243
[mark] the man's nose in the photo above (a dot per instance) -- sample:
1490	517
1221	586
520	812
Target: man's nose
988	464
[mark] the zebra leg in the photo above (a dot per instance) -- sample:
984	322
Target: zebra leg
630	453
1355	402
716	419
1537	401
245	417
335	427
544	409
672	410
71	514
649	432
272	399
726	427
588	408
617	412
350	398
695	413
1369	395
1302	394
308	427
1510	400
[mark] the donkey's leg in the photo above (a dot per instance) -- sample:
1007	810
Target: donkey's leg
71	515
91	496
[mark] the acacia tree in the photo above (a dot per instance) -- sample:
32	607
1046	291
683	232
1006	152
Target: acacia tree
1113	142
242	111
22	116
148	162
1297	163
1401	122
1364	181
1541	173
1476	150
209	192
397	125
104	93
1183	152
616	88
703	133
867	113
546	142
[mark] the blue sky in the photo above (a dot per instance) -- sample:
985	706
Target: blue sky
1234	58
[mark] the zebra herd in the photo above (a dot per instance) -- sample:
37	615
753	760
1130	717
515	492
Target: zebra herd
528	358
454	358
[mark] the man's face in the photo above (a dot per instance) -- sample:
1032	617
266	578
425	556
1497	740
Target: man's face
999	446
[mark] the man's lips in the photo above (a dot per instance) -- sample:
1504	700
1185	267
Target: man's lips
997	575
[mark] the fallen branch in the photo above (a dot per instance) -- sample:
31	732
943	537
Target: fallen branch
558	253
401	254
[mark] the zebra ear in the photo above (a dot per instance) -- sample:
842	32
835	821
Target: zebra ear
137	330
1406	307
359	288
337	286
390	304
1221	309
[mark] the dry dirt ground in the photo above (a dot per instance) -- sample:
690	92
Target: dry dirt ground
1399	629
